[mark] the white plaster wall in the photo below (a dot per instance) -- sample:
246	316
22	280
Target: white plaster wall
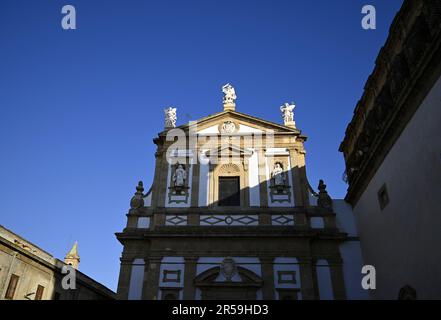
324	280
350	251
403	240
253	176
344	217
247	129
352	264
209	130
204	178
136	280
143	223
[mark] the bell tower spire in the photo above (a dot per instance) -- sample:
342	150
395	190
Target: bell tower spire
72	258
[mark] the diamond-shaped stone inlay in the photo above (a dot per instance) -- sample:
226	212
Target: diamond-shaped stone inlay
247	220
176	220
229	220
282	220
210	220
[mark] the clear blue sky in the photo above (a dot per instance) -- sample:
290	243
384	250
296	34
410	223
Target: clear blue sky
79	109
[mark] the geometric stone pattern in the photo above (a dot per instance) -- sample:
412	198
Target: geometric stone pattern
229	220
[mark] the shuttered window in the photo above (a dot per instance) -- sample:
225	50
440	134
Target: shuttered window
13	281
39	293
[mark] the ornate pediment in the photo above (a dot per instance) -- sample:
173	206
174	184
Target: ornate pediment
235	123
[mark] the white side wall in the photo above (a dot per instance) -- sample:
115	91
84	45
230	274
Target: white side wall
350	251
403	240
324	281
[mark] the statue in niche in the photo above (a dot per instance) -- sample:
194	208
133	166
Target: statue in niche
179	177
178	184
278	175
278	178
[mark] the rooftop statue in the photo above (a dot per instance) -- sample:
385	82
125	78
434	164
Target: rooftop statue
229	94
288	113
170	117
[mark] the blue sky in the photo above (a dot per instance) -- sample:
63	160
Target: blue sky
79	108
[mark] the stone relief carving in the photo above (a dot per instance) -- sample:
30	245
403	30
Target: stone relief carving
228	127
228	268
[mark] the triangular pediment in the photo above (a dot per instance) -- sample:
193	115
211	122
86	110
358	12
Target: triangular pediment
231	150
233	122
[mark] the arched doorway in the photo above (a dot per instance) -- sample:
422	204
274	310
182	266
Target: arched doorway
243	285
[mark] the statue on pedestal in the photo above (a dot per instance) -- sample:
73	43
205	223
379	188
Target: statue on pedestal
288	114
229	97
170	117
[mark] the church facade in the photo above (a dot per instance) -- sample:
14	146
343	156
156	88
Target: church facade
231	215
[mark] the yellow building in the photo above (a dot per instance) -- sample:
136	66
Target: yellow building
27	272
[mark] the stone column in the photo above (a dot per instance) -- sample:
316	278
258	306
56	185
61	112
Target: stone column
295	171
264	219
306	278
302	178
151	278
161	184
157	220
157	177
337	278
268	276
193	219
189	276
124	279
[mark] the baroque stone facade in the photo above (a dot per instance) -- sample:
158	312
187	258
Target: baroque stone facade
231	215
